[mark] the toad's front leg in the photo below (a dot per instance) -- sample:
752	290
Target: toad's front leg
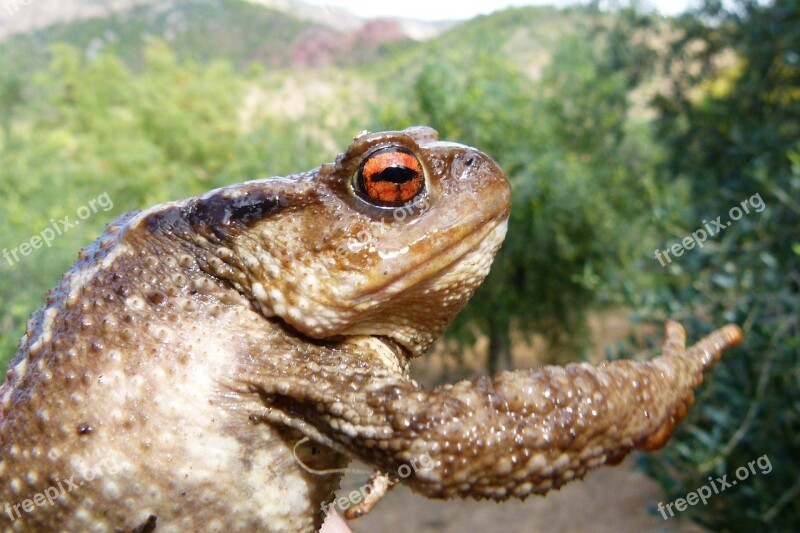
514	434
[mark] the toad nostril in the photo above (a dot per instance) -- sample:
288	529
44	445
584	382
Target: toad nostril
470	161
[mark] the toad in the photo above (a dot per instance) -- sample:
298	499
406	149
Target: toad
212	364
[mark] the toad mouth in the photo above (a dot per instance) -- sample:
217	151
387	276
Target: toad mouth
442	261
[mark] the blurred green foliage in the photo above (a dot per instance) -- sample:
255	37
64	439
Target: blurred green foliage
731	128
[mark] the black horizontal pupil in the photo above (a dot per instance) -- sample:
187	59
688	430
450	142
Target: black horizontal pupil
395	174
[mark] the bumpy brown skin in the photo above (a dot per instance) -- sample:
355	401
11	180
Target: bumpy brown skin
205	357
515	434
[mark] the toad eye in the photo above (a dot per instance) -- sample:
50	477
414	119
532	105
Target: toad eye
389	177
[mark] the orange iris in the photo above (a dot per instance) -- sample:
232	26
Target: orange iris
390	177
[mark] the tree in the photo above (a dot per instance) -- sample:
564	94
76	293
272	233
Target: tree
731	124
578	167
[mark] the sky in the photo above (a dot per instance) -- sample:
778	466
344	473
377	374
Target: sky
464	9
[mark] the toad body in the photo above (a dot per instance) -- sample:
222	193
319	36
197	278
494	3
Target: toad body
212	364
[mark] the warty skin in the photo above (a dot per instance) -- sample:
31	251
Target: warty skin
216	361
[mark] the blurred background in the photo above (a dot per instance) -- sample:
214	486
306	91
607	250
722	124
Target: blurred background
623	131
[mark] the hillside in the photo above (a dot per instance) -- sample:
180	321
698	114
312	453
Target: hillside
274	33
22	16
